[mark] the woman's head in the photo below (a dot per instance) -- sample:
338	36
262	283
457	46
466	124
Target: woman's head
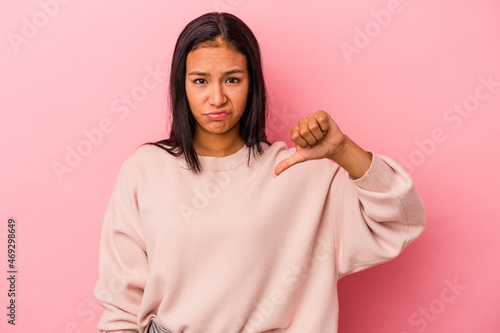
217	89
216	30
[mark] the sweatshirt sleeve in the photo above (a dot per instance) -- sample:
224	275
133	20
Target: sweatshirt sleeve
379	215
123	264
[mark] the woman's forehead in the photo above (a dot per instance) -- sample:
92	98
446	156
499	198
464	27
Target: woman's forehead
214	58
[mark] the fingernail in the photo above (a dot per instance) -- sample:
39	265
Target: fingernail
274	175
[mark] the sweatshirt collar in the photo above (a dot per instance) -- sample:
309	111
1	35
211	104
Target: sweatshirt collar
225	163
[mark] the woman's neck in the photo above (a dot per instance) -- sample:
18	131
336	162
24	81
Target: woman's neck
217	145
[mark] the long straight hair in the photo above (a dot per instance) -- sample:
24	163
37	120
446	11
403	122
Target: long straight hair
207	30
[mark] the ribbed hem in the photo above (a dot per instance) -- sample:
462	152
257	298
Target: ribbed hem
225	163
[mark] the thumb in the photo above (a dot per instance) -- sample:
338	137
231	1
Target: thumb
297	157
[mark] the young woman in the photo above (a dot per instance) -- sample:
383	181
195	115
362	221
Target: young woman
217	230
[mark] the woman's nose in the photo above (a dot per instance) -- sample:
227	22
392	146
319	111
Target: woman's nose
217	96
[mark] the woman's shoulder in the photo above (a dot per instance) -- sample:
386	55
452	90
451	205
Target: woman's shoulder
273	151
277	147
149	155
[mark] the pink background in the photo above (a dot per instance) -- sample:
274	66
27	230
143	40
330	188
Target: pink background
393	74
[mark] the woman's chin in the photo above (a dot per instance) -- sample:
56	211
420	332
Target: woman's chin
217	128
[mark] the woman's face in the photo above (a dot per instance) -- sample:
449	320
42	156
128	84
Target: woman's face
217	84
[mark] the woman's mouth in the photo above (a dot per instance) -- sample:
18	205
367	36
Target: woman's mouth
218	115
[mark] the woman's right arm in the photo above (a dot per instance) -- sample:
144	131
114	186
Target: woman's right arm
123	264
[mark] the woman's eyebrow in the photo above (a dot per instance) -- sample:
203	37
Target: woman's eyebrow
199	73
233	71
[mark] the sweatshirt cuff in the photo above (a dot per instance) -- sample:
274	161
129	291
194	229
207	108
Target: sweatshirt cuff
379	176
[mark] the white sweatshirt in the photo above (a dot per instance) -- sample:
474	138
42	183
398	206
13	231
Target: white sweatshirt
234	250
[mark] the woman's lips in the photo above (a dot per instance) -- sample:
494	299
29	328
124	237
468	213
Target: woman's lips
218	115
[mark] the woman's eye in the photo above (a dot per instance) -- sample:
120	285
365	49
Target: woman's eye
199	81
233	80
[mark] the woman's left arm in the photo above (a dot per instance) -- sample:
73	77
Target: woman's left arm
377	209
